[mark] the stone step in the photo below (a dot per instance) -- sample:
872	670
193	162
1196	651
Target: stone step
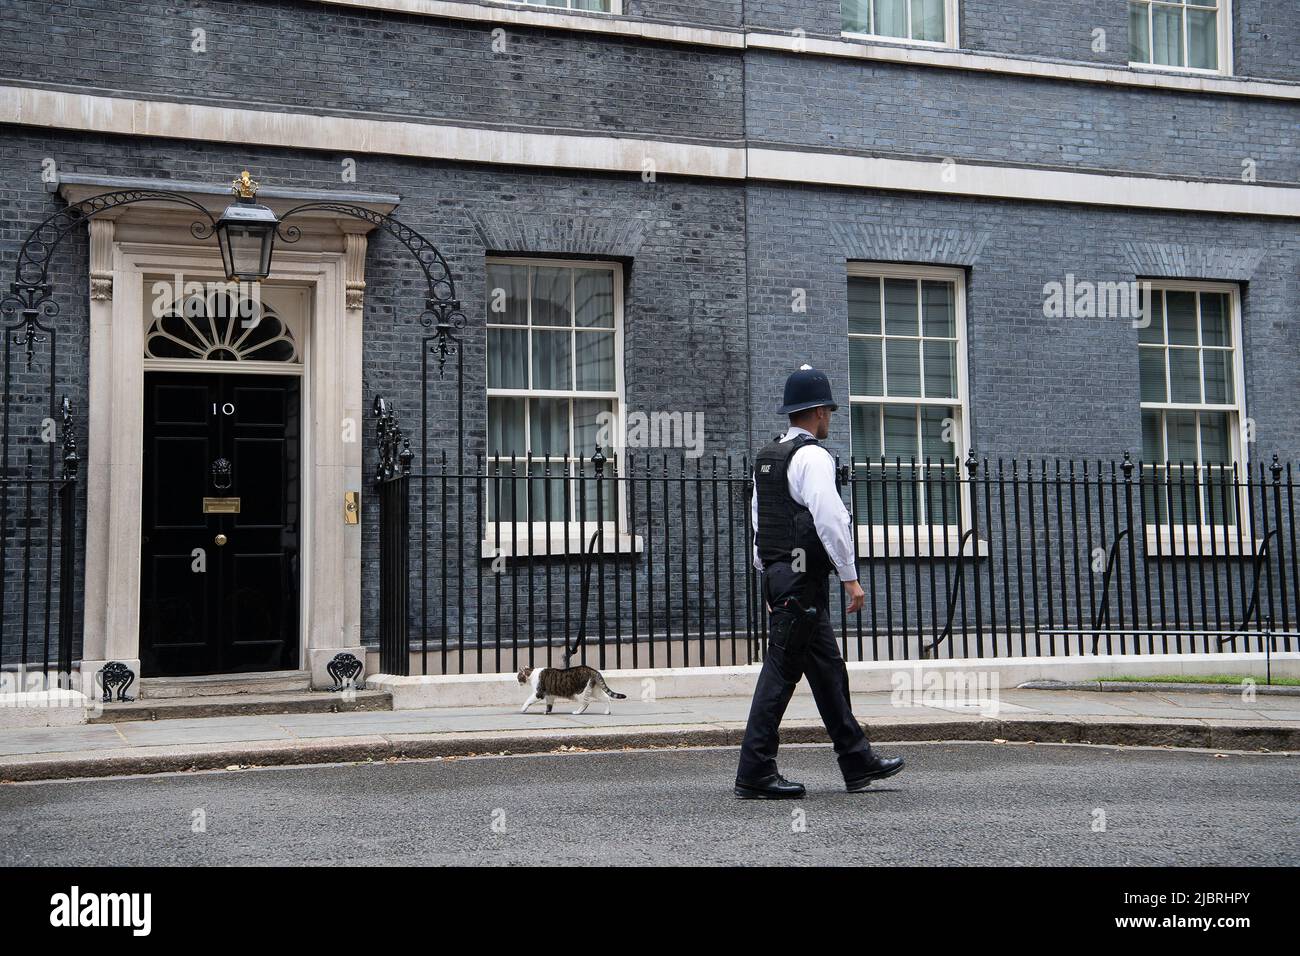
232	705
222	685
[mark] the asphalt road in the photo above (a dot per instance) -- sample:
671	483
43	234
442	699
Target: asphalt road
962	804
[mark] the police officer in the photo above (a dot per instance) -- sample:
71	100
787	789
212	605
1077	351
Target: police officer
802	532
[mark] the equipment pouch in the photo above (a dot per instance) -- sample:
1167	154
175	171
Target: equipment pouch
792	627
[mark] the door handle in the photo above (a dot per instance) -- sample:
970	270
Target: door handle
220	540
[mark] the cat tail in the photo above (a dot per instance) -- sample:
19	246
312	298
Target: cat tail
605	688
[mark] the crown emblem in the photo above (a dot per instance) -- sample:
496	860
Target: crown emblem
245	187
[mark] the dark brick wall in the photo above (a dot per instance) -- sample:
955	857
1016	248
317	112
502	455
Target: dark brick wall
29	538
707	13
709	265
816	18
685	342
890	109
1041	28
313	56
1266	39
1039	386
1058	29
714	13
1266	33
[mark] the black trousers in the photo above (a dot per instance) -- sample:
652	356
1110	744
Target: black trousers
806	649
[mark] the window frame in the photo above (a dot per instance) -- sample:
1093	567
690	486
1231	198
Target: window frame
1237	411
887	533
563	535
615	7
951	30
1223	38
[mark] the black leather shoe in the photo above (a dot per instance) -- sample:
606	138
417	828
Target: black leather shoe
775	787
883	767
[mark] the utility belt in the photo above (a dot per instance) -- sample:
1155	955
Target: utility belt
812	585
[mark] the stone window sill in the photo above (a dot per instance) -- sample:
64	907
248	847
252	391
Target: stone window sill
879	543
523	541
1177	70
615	8
851	37
1165	542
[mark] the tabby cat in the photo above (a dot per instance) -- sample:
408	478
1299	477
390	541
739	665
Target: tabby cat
571	683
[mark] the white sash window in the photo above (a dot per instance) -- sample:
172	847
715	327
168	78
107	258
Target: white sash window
932	22
592	6
907	386
1192	402
555	384
1181	34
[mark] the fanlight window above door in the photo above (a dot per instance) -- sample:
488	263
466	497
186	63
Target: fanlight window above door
219	326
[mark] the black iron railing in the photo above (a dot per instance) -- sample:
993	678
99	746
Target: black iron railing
38	554
496	556
482	568
1071	557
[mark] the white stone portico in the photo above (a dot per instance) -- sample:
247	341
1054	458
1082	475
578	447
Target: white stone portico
135	245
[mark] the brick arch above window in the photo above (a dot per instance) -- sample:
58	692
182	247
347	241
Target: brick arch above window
1168	260
608	236
917	244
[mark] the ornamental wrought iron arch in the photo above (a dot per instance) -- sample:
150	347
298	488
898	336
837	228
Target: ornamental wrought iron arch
442	313
443	319
31	295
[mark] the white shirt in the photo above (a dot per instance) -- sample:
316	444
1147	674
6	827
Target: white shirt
811	477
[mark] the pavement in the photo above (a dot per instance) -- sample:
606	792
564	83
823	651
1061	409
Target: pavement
1222	722
963	804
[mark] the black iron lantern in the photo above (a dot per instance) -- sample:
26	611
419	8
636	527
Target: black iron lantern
246	234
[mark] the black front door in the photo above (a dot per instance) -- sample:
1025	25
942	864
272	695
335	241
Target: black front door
219	579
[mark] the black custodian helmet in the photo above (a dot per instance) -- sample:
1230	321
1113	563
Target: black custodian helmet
807	388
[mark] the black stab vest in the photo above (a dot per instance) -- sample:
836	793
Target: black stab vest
784	525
